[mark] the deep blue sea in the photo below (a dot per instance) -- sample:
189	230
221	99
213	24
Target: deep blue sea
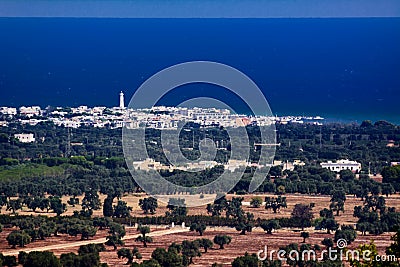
346	69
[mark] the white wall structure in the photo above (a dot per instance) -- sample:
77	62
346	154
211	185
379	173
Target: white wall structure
25	138
30	111
8	111
343	164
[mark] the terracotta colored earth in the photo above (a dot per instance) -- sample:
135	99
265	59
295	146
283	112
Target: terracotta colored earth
251	242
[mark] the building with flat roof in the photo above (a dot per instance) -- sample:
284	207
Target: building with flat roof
25	138
343	164
8	111
30	111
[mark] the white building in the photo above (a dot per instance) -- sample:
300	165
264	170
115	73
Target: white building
286	165
234	164
340	165
8	111
30	111
25	138
149	164
71	123
80	110
98	110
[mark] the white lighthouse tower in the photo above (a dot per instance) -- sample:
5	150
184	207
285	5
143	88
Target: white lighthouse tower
121	100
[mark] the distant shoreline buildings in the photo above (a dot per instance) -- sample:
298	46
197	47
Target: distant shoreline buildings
158	117
25	137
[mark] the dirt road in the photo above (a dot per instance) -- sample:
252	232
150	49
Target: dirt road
93	241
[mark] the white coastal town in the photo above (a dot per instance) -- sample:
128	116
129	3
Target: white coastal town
158	117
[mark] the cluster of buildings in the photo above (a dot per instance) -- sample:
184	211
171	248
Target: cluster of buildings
159	117
232	165
287	165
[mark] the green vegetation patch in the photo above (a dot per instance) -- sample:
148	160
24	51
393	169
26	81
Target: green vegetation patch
9	173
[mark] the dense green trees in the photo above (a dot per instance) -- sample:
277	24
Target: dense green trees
3	201
234	208
252	261
178	255
144	230
347	175
101	222
125	253
347	233
275	203
88	255
100	159
76	226
337	140
129	254
73	201
176	207
374	217
166	258
56	205
91	201
246	261
205	243
41	259
198	227
326	221
394	248
256	202
337	201
190	249
217	207
122	210
108	210
87	232
305	235
391	175
328	242
148	205
233	211
91	248
102	170
9	261
34	228
222	240
52	203
369	261
14	205
245	223
269	225
302	215
116	233
18	238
